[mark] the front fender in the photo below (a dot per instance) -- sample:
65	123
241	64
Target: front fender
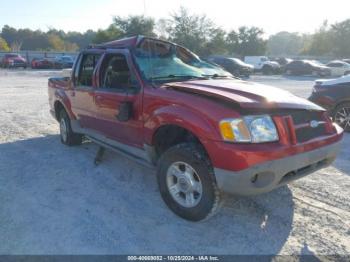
194	122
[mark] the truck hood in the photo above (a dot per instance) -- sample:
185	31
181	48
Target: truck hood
246	94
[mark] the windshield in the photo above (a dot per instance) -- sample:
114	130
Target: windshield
158	60
238	61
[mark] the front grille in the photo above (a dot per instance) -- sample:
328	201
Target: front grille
304	116
305	132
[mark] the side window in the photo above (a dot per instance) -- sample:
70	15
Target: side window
116	75
86	70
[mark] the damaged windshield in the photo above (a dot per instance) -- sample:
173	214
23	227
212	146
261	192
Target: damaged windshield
163	61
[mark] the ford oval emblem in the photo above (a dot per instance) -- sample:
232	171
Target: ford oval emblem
314	123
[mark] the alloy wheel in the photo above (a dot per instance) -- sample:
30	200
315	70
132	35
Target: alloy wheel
63	130
342	117
184	184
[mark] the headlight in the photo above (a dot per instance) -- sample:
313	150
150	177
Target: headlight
249	129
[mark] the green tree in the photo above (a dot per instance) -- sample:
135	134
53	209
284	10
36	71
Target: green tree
111	33
217	43
285	43
250	41
192	31
321	42
56	42
3	45
135	25
232	41
340	33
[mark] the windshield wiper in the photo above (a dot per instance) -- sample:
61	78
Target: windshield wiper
219	76
172	76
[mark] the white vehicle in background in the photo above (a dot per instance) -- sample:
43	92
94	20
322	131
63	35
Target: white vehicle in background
263	64
339	68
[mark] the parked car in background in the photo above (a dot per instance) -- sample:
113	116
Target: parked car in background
339	68
263	64
62	62
205	131
282	61
13	61
334	95
42	63
233	65
307	67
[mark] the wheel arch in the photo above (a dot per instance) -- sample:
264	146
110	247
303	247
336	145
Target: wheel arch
339	103
62	102
171	126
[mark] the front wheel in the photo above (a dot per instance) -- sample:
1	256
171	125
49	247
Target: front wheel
186	182
68	137
267	70
341	116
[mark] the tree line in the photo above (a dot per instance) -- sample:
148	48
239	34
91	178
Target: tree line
196	32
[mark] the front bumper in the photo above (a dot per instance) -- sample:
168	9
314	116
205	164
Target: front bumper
269	175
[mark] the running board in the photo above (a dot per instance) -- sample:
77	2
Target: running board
122	152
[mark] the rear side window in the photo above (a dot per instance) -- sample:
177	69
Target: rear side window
86	70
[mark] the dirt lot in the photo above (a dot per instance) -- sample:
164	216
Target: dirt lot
53	200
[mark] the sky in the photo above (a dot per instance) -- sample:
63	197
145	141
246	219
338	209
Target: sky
303	16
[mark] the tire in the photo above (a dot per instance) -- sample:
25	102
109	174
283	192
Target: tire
68	137
267	70
201	185
236	73
341	115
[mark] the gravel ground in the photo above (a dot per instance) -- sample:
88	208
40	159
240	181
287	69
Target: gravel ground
55	201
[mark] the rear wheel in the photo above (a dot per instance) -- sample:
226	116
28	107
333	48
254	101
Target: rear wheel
68	137
341	116
186	182
267	70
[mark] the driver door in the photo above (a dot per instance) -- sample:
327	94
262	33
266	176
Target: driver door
118	88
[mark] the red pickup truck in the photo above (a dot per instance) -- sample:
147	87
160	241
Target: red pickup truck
205	131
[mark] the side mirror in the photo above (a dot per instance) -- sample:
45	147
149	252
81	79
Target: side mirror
125	111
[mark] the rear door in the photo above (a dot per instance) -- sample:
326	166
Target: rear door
84	84
118	85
